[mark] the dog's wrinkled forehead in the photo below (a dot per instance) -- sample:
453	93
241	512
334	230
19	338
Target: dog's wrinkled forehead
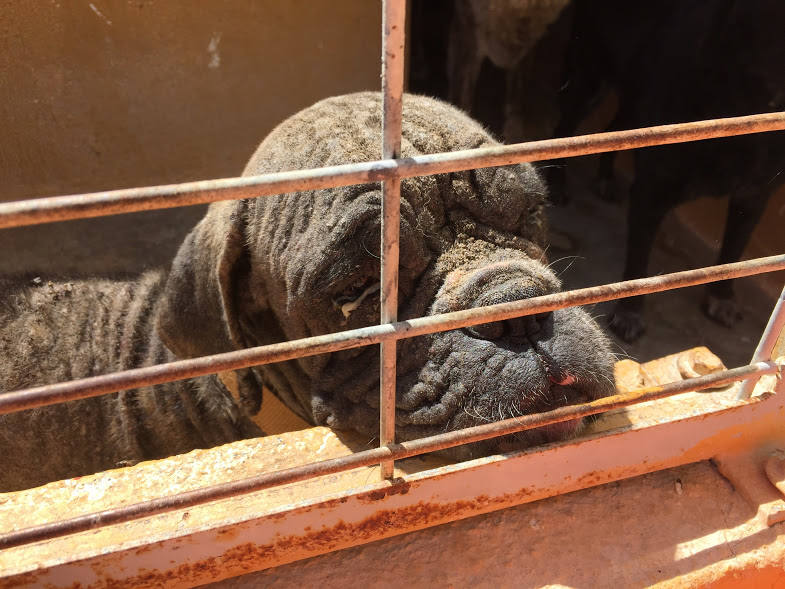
347	129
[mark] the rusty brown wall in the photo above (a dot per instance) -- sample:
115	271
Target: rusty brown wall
116	93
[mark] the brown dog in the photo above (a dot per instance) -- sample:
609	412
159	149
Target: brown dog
265	270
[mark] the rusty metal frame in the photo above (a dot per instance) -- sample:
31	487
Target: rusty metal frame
767	342
383	454
390	170
237	537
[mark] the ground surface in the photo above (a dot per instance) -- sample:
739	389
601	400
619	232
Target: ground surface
588	239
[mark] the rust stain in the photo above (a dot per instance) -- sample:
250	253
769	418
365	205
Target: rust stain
228	533
398	487
144	548
25	580
594	478
248	557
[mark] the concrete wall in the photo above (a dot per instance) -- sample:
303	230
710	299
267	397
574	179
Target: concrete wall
115	93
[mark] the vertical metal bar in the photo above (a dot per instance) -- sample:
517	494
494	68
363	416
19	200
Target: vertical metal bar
393	27
766	344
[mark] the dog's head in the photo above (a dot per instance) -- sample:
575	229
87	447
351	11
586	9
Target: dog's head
506	30
296	265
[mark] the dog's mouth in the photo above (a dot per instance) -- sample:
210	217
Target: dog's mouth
455	380
562	430
556	432
559	394
562	395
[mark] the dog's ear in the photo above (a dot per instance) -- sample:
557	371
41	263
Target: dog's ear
198	313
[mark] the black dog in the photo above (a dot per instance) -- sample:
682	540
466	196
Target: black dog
674	62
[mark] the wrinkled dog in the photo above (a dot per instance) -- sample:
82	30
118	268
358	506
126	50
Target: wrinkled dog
265	270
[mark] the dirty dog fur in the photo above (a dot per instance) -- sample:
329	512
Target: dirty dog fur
265	270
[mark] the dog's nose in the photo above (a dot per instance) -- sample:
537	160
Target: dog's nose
505	283
528	328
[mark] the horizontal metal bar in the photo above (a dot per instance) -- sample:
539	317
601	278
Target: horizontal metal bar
374	456
181	369
97	204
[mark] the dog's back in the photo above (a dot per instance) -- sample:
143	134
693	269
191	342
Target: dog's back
58	331
55	331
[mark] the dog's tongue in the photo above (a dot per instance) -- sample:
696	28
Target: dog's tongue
562	378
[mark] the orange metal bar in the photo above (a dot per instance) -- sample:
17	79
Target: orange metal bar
97	204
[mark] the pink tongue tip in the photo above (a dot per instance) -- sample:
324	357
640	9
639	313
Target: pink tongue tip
567	379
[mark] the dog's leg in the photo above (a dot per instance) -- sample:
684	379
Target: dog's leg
579	96
745	209
623	119
646	210
605	178
513	124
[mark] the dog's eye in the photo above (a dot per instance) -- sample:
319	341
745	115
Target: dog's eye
353	291
487	331
353	296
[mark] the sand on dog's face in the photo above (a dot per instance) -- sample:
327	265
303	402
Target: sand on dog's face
467	239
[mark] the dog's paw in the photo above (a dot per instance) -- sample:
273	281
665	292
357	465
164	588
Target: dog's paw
724	311
626	324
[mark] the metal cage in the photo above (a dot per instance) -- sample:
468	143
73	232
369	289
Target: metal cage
389	170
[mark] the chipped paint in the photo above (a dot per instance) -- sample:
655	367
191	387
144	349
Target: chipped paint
212	51
99	14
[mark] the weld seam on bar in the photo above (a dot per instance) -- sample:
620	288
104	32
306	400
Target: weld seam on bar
370	457
393	31
182	369
767	342
96	204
